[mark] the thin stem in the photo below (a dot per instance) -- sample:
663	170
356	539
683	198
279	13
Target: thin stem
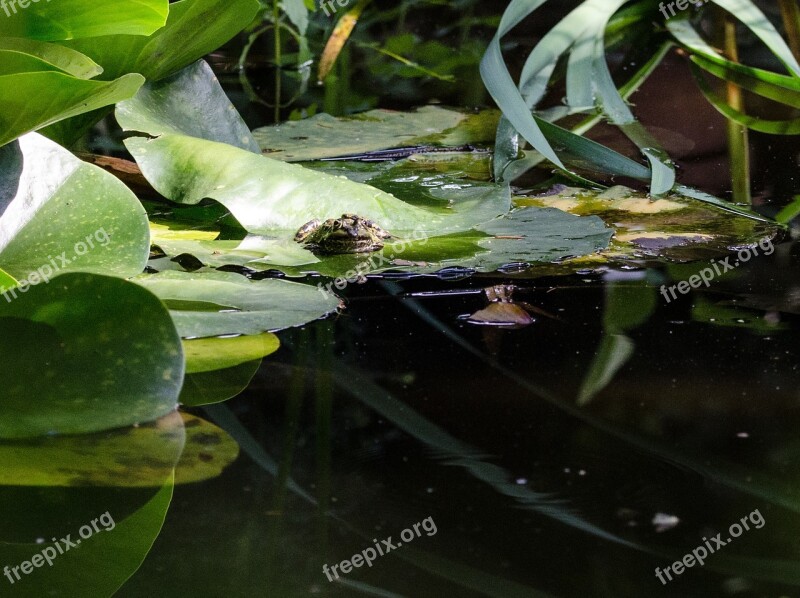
276	15
791	20
738	135
323	422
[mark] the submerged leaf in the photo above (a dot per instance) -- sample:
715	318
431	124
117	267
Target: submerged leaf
100	459
207	388
105	560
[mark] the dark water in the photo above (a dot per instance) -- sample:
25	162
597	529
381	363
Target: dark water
397	411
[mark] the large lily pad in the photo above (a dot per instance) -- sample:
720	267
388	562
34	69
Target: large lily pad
85	353
26	108
102	227
266	196
270	197
139	457
189	103
142	456
206	304
193	29
530	235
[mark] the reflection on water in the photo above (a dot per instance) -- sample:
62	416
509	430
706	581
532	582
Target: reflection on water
399	411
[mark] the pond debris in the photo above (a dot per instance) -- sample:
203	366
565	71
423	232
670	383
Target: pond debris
663	522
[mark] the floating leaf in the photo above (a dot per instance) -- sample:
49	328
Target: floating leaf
541	235
674	227
100	459
85	353
102	226
26	108
103	562
75	19
209	354
325	136
193	29
220	303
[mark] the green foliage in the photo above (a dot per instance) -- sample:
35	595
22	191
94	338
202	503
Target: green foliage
582	39
101	55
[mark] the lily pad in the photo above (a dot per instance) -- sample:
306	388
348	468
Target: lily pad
220	303
325	136
193	28
530	235
187	164
190	102
674	227
266	196
100	459
209	354
85	353
102	226
75	19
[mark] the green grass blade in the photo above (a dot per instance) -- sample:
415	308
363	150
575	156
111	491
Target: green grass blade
773	127
790	212
749	14
779	88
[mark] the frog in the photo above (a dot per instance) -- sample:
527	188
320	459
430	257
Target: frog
349	234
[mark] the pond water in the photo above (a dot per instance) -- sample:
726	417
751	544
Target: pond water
399	412
527	472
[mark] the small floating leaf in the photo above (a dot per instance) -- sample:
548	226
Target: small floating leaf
251	307
209	354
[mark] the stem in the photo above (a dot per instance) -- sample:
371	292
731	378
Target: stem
738	135
791	20
323	422
276	15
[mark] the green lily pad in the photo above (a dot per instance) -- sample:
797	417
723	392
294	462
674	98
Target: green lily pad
26	108
254	252
674	227
210	354
531	235
206	304
193	28
325	136
266	196
85	353
100	459
189	103
102	226
187	164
